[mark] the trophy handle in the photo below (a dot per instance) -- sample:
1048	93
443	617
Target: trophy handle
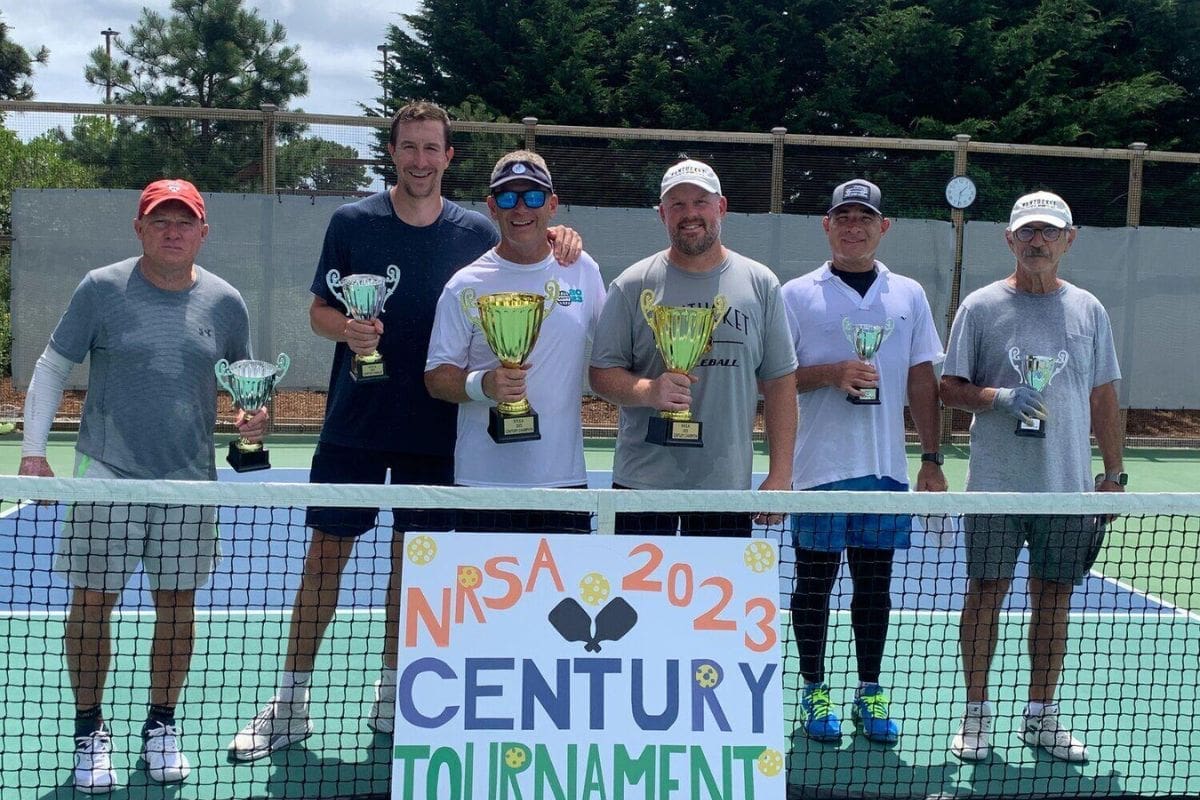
467	299
848	330
333	279
551	297
647	303
719	306
392	281
889	325
1014	358
222	370
1060	362
283	362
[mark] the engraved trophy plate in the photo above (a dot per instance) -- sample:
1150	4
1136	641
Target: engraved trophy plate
682	335
364	297
511	322
866	340
1036	372
250	384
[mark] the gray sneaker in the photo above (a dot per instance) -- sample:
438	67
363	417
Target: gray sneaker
278	725
383	710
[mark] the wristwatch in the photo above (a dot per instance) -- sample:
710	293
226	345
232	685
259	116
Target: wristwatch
1119	478
934	458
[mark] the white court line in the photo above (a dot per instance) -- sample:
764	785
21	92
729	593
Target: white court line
1153	598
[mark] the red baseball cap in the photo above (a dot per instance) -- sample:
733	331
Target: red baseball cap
160	192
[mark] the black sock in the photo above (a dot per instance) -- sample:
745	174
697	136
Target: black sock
158	715
88	721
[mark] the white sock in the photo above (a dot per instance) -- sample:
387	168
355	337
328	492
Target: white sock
979	709
1035	709
292	684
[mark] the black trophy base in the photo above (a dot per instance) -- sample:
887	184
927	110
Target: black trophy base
243	460
367	370
866	397
506	430
674	433
1035	429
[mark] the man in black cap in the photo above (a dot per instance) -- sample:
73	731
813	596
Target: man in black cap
852	439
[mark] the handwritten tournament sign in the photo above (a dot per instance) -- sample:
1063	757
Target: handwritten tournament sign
568	667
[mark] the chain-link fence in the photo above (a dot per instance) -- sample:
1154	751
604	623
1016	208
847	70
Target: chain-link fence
777	172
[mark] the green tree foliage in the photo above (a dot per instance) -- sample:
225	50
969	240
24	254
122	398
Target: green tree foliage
205	54
318	165
1065	72
16	67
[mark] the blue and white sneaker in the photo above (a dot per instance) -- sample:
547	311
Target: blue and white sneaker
871	715
820	723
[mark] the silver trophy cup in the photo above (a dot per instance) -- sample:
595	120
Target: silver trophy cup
866	340
1036	372
250	384
364	297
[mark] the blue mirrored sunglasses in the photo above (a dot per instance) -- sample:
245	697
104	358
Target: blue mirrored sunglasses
534	198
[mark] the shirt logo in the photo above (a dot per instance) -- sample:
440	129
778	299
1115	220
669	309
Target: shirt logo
568	296
205	332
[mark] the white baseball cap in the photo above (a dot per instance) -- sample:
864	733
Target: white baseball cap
1040	207
694	172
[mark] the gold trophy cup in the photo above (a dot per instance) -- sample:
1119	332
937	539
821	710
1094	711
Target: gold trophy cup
682	335
510	322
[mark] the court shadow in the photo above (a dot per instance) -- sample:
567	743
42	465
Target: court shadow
859	768
297	772
1044	777
138	787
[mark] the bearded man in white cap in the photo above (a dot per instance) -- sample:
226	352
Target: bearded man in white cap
1032	357
751	352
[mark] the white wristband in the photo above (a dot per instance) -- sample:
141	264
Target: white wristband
475	387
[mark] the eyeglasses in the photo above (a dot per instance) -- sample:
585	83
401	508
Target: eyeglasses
534	198
1049	233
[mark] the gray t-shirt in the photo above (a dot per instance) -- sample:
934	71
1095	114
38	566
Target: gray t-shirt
752	343
151	399
1069	323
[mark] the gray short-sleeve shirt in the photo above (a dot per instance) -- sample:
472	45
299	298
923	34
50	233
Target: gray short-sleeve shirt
752	343
151	401
996	324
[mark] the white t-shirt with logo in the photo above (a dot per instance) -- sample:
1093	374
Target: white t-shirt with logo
554	382
837	440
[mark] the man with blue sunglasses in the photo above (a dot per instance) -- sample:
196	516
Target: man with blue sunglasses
461	367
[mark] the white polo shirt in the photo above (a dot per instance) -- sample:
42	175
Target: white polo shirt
554	383
836	439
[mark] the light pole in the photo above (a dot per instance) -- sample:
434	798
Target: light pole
108	34
383	49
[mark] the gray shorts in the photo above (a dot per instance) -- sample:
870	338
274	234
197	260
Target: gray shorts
101	545
1061	548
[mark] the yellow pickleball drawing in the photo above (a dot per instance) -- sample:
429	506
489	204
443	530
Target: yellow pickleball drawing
516	757
421	550
759	556
594	588
708	675
770	762
469	577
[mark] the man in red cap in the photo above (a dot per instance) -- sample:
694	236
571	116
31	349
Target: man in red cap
153	326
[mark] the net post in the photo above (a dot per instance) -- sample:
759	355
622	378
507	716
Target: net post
606	512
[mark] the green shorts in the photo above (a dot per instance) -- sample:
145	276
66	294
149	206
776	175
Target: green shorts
1061	548
102	544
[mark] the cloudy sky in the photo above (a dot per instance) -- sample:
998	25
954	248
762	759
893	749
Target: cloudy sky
337	39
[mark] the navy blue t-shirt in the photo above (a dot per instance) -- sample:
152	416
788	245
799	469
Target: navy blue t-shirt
365	237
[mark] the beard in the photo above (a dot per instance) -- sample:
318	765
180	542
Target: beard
696	247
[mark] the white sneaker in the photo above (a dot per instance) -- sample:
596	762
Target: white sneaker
383	710
973	742
275	727
94	773
1046	732
165	763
